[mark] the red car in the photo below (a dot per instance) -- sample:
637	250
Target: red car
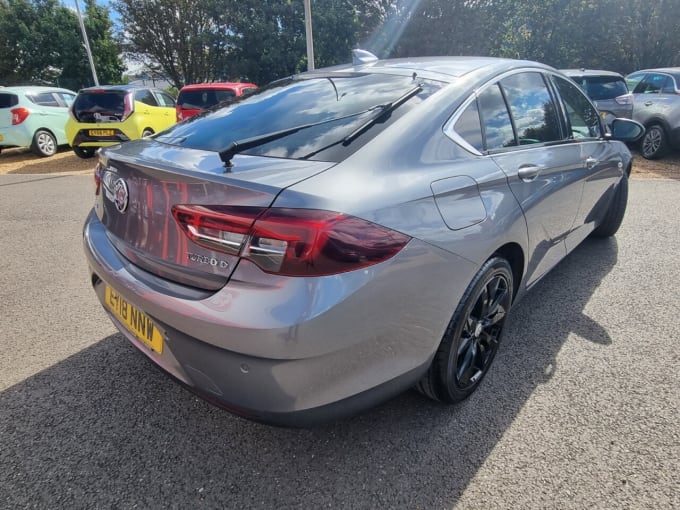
197	98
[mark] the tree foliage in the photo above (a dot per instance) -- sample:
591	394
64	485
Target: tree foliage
41	42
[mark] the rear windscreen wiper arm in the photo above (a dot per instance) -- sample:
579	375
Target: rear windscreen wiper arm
383	110
248	143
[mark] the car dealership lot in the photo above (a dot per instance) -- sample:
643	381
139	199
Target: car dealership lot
579	411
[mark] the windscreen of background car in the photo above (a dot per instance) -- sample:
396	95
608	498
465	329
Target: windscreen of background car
100	106
286	104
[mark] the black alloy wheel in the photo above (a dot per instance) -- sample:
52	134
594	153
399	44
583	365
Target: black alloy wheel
473	336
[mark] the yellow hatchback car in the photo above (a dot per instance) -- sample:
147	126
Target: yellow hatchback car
111	114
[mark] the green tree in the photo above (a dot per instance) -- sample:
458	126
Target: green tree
41	43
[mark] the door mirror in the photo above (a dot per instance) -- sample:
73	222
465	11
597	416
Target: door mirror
626	130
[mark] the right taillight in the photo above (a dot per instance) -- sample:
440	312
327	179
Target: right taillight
129	103
292	242
19	115
625	99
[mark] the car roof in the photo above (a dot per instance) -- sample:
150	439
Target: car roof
670	70
437	68
23	89
218	85
125	88
590	72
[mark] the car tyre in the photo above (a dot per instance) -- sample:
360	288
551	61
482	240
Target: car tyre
147	132
654	144
472	337
44	143
84	152
614	215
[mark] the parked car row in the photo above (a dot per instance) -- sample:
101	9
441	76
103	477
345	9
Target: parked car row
650	96
43	118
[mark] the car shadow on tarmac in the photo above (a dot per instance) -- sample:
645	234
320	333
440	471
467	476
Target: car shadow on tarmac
104	428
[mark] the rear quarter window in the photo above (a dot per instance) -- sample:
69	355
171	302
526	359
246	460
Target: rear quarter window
8	100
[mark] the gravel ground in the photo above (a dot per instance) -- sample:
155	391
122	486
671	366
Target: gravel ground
23	161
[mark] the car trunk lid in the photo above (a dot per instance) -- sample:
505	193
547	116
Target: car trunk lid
141	181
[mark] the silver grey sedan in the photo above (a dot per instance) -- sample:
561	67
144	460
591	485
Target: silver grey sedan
342	235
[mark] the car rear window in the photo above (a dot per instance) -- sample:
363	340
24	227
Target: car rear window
92	106
338	105
198	99
599	88
8	100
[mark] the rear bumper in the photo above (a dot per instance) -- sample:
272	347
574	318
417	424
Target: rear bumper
293	351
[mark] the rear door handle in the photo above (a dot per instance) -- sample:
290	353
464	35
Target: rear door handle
529	172
649	103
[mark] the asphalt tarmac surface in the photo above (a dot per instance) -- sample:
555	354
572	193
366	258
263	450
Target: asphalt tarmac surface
580	410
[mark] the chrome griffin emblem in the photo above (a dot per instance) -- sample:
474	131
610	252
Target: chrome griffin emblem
121	195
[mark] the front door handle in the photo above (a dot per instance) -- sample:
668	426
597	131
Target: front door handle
529	172
649	103
591	163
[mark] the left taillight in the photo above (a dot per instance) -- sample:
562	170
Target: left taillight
19	115
625	99
291	242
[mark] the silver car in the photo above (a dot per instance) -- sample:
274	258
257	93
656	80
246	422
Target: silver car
657	107
340	236
607	90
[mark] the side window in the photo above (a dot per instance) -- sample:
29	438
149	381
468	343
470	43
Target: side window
532	108
584	121
165	99
668	86
652	84
634	80
145	96
66	98
496	123
44	99
469	127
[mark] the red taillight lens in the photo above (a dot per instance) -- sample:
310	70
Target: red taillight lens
19	115
292	242
625	99
129	107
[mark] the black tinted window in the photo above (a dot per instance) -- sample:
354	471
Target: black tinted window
532	108
203	99
145	96
94	106
496	122
584	121
336	104
8	100
599	88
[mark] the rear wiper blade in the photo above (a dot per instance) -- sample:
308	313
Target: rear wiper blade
248	143
383	110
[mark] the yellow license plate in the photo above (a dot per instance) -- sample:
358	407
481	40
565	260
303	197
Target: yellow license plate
101	132
135	321
0	138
